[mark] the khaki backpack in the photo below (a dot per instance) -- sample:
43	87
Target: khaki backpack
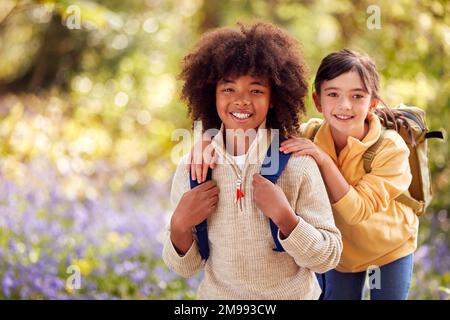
410	123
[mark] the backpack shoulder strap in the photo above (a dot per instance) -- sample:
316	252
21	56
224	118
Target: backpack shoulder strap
273	177
202	228
369	155
269	161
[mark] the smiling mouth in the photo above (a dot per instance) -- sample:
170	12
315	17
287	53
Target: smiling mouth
343	117
241	115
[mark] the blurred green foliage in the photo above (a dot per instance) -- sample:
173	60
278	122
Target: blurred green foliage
94	83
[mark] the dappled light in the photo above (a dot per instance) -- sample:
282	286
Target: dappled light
89	99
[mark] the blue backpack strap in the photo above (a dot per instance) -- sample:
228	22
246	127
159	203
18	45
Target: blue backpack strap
267	172
202	228
272	175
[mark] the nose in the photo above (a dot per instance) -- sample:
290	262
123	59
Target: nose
241	100
345	103
241	103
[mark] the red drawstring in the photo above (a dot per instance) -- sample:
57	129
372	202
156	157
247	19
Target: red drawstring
239	194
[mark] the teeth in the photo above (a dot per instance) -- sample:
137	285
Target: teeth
241	115
342	117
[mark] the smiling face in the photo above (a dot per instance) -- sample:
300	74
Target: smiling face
243	102
345	104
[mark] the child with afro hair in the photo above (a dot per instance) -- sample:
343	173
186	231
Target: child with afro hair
248	85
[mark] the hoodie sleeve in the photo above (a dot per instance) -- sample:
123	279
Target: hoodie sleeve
390	176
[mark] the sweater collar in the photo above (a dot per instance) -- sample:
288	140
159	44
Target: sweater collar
255	153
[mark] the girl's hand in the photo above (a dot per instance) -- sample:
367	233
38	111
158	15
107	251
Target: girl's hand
195	206
272	201
201	157
303	146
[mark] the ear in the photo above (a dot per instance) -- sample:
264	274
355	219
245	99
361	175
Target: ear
316	100
373	105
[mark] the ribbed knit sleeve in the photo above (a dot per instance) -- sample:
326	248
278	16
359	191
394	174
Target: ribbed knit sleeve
191	262
186	265
315	243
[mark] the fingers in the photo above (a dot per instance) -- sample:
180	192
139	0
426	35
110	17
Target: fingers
201	157
189	161
213	192
211	204
259	181
213	201
198	172
207	186
257	177
293	148
296	145
199	169
192	168
308	151
205	167
296	141
208	156
195	167
288	141
196	164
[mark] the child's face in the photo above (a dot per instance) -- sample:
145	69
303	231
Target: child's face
243	102
344	103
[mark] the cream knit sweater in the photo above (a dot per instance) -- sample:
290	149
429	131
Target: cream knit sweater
242	264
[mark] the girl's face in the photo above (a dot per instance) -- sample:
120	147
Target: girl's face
243	102
345	104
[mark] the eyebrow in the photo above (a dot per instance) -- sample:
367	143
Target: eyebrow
259	83
335	88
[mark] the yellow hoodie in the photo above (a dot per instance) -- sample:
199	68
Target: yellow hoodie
376	229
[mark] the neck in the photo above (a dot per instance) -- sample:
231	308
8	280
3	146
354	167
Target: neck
237	142
340	140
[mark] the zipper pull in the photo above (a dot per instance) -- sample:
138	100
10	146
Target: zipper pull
239	193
